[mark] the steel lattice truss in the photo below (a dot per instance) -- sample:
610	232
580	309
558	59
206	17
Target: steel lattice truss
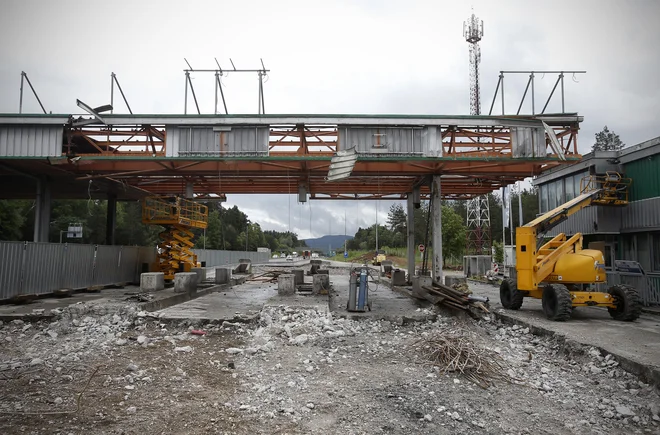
131	152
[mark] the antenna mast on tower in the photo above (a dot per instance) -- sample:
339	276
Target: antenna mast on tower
478	212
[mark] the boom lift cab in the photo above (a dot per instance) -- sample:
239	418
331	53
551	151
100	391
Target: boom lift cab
558	271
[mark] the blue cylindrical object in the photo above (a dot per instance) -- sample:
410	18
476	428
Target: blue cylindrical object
362	295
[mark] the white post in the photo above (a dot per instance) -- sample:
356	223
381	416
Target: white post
437	230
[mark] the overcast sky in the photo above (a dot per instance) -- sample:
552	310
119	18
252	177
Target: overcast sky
400	57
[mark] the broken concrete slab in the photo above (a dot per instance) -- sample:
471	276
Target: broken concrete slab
185	282
299	276
398	277
417	283
321	284
152	281
222	275
201	273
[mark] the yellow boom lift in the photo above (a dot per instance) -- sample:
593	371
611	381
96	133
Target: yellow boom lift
179	216
558	271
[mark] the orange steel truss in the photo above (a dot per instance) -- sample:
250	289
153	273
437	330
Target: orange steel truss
476	155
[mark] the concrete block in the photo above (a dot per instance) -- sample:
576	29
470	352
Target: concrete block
398	277
321	284
299	276
222	275
185	282
323	272
418	282
315	262
244	266
286	285
201	273
152	281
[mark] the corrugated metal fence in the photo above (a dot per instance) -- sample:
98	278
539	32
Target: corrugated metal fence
28	268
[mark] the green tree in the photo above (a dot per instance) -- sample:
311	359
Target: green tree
213	232
12	219
453	233
397	218
607	140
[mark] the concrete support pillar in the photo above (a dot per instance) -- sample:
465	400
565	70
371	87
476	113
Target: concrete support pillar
436	220
299	276
286	285
111	220
321	284
42	212
189	190
411	236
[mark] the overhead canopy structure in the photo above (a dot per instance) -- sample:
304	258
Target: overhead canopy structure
130	156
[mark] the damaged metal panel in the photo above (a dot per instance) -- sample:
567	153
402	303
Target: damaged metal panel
243	140
216	141
385	140
528	142
31	141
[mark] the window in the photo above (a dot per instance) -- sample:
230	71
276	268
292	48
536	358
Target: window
552	195
644	251
544	198
656	251
560	192
570	188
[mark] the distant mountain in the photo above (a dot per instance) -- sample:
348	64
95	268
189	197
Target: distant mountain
336	242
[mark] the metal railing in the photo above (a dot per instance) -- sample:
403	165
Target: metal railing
647	285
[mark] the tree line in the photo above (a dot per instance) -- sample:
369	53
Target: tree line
228	228
454	224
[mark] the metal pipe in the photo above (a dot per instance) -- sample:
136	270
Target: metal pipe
215	88
232	70
551	94
490	112
185	98
112	92
562	93
502	94
20	103
543	72
122	95
34	92
192	90
524	95
532	77
222	94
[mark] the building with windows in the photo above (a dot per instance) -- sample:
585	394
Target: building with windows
631	232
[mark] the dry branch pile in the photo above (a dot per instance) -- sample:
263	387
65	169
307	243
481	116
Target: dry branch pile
456	351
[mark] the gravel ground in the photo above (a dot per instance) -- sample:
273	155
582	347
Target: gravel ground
300	371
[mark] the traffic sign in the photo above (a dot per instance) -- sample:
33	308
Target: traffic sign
345	254
421	248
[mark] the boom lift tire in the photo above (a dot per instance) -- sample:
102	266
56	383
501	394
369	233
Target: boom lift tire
510	297
628	307
557	303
